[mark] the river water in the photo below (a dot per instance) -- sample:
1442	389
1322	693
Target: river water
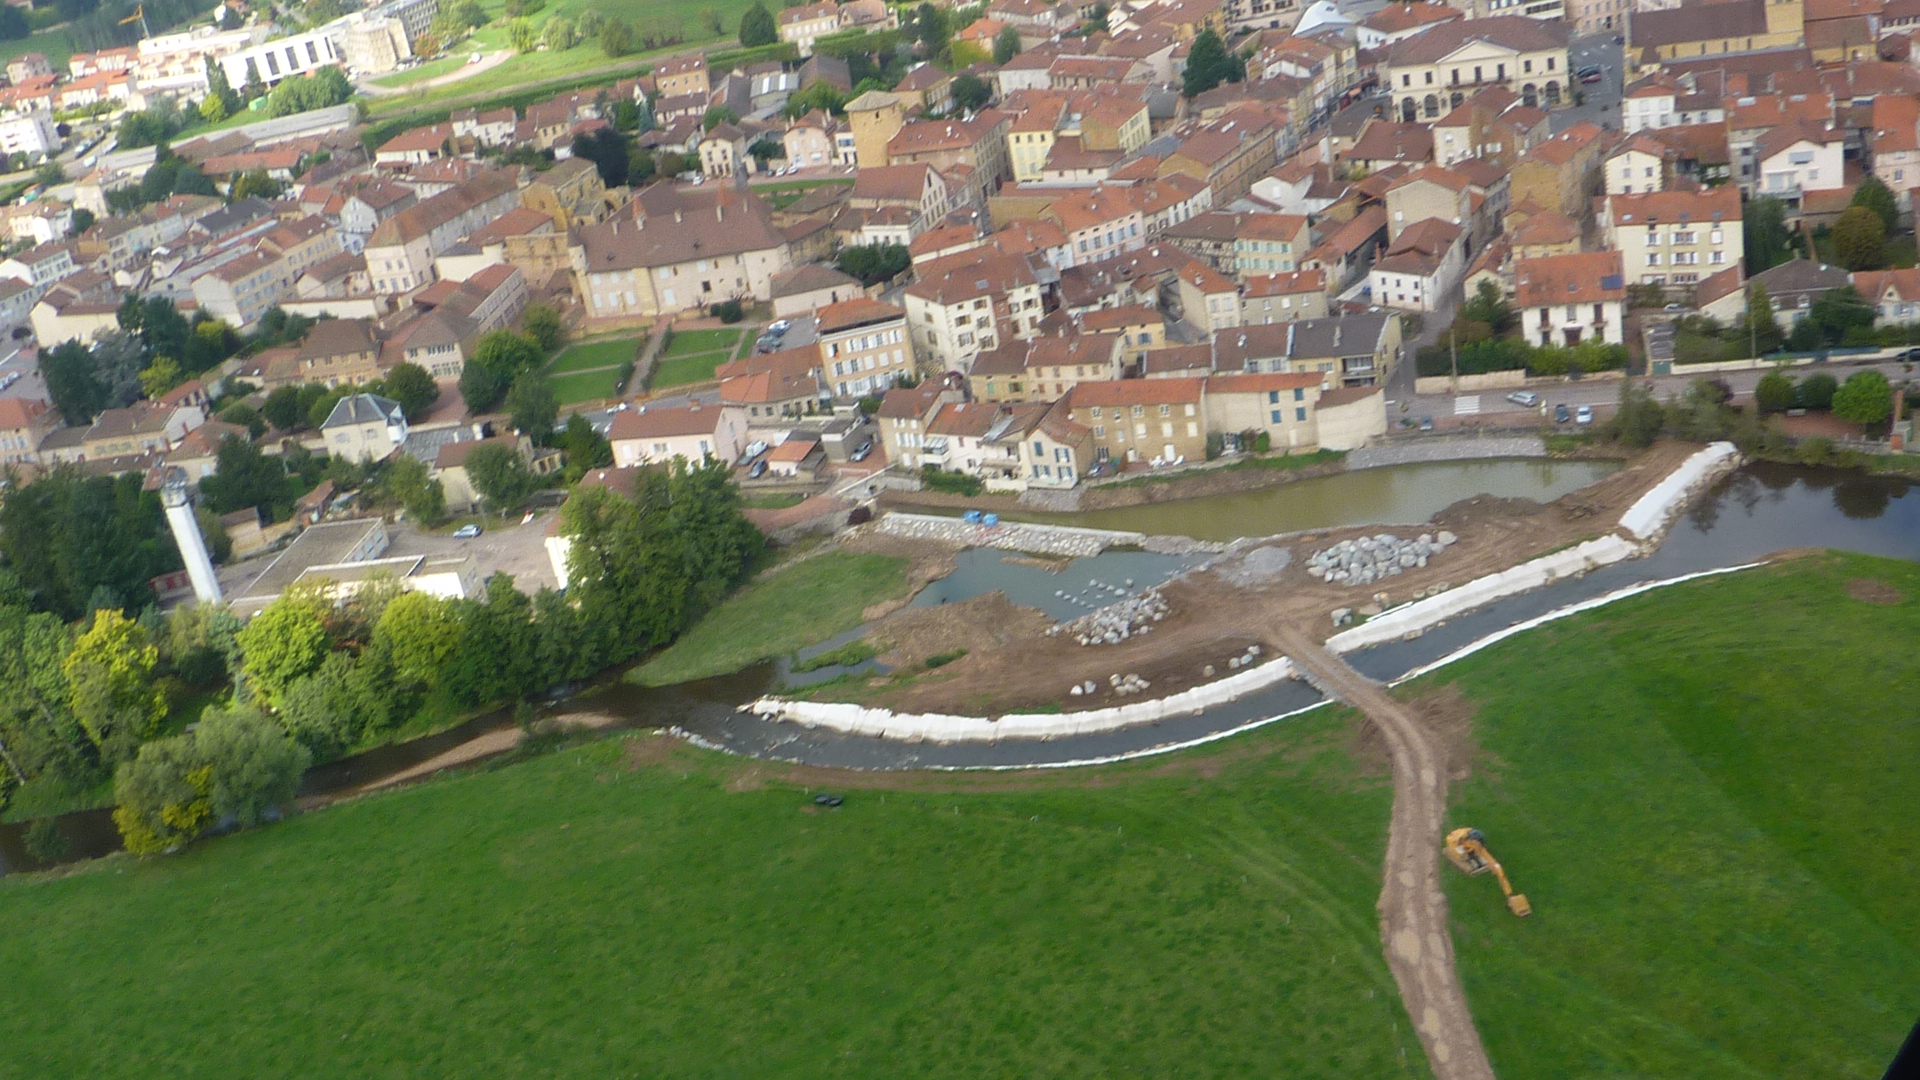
1758	510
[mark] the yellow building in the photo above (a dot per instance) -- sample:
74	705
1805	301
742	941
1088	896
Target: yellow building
876	117
1700	29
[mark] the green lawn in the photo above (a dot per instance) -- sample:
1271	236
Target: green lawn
584	386
689	342
638	907
1708	793
772	502
51	41
782	611
781	196
681	370
595	354
430	69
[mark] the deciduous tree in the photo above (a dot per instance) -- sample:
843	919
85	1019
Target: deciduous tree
757	27
1859	239
282	643
1866	398
501	476
110	676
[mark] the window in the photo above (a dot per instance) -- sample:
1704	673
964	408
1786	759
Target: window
1299	394
1139	410
1274	416
1300	414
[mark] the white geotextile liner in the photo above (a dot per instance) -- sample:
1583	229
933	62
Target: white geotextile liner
939	727
1650	513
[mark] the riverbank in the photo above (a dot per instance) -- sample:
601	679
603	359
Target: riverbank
1213	618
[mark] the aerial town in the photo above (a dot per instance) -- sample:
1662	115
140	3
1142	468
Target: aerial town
496	496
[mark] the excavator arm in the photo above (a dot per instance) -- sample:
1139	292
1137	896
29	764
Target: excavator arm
1466	849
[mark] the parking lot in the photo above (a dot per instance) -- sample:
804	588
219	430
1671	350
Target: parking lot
503	547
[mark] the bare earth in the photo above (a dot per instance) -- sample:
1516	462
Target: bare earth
1211	618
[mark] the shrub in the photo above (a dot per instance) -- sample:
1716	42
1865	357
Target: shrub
727	311
944	658
1816	391
952	483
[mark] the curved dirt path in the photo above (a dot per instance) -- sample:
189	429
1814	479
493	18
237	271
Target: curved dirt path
464	71
1413	909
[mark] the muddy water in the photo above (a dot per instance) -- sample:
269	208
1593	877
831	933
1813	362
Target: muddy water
1064	590
1758	510
1398	495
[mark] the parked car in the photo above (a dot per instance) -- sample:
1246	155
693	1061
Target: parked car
1524	397
474	59
1592	74
759	470
861	452
754	449
779	327
466	532
1561	414
1584	415
765	344
1675	307
1426	423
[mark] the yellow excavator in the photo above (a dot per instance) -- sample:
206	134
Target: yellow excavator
1467	849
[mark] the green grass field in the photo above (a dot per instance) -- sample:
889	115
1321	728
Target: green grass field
1708	794
51	41
638	907
781	196
430	69
681	370
689	342
584	386
595	354
778	613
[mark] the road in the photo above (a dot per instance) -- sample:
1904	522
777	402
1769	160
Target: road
1493	407
1413	909
1602	99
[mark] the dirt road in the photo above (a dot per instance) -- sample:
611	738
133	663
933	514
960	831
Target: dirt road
1413	910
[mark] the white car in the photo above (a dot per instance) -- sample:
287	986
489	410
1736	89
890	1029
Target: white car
779	326
1524	397
474	59
1583	415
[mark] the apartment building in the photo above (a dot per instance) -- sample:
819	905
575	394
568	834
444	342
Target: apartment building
1568	299
1159	421
691	249
959	310
864	346
1437	70
1675	237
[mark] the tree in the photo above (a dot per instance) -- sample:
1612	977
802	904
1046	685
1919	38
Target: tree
282	643
765	149
219	88
501	476
1874	195
1097	19
1816	391
283	407
609	151
1762	331
161	376
532	408
76	391
1859	239
83	220
497	360
68	536
1866	398
821	95
420	634
1639	419
110	676
1839	311
212	109
717	115
245	478
1774	392
163	797
616	38
585	448
541	322
14	25
1209	64
932	28
970	92
320	89
757	27
1006	44
255	184
1768	241
559	34
521	36
1489	305
411	386
874	264
50	175
255	767
406	480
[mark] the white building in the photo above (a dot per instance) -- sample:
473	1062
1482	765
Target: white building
1568	299
282	58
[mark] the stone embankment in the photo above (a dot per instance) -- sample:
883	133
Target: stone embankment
1117	622
1008	535
1423	451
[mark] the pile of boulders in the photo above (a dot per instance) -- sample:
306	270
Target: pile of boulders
1118	622
1371	558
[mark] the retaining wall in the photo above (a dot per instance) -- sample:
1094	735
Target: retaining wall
942	728
1424	450
1650	515
1009	535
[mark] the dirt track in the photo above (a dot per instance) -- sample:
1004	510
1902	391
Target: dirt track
1413	909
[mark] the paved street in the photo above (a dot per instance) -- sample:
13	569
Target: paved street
1492	408
1601	99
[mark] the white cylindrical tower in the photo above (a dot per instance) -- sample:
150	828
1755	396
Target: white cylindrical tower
186	533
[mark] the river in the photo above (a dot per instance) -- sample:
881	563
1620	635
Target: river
1760	509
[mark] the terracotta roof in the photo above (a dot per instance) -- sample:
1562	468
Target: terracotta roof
795	449
1876	284
1515	32
1788	135
1699	22
1546	227
1711	204
852	314
910	402
1262	383
1587	278
1137	392
660	422
1384	140
892	182
929	136
1120	317
690	224
1300	281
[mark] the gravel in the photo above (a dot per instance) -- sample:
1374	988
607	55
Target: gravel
1115	623
1256	567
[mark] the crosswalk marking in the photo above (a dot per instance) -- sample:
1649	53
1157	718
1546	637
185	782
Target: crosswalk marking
1467	405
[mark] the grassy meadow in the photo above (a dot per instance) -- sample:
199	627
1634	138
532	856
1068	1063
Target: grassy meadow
1708	794
638	907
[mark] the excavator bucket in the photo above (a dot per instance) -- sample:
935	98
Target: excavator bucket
1517	903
